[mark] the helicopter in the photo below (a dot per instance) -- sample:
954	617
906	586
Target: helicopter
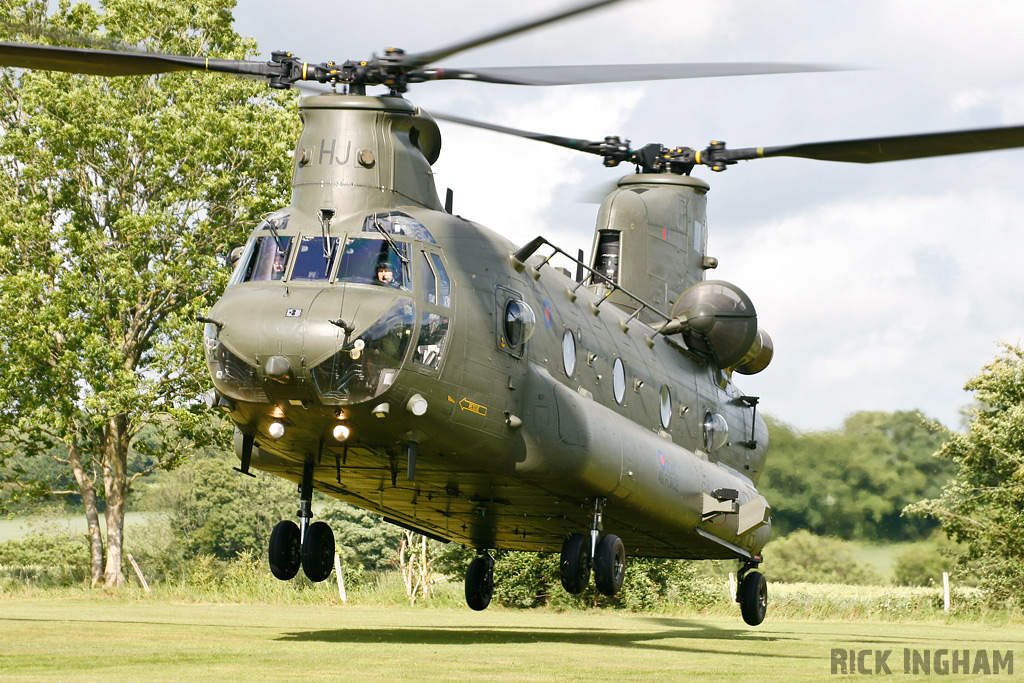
376	347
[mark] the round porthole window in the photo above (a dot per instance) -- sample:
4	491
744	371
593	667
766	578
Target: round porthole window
519	322
619	380
569	352
716	431
666	406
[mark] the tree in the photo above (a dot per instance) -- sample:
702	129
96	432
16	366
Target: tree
118	199
983	506
854	483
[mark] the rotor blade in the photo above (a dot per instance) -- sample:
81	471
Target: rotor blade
115	63
899	147
615	73
570	143
423	58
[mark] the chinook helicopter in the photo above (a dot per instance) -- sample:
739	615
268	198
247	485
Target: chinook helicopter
375	347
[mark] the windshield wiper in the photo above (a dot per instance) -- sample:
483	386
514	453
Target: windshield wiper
387	236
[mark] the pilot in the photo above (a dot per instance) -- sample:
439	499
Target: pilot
386	274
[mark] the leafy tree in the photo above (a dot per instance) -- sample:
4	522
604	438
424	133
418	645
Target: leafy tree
363	537
983	506
854	483
118	197
804	557
213	510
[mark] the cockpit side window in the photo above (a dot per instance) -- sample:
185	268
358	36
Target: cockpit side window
371	260
445	293
428	283
268	260
315	258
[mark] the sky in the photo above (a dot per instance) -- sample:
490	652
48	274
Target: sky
883	286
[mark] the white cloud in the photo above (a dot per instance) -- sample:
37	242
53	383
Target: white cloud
884	286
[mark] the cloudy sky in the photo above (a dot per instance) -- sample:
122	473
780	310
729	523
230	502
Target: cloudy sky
885	286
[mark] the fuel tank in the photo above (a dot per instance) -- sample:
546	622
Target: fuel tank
643	474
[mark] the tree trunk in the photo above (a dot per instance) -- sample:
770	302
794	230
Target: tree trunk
115	484
85	485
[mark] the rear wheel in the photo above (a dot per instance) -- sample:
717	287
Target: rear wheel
574	569
285	552
754	598
480	583
610	565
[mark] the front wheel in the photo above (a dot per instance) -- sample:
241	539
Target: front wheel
285	552
754	598
318	551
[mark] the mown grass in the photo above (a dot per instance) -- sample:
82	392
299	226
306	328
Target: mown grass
107	637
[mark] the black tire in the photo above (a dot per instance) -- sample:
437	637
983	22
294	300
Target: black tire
754	598
574	569
610	565
479	583
318	551
285	552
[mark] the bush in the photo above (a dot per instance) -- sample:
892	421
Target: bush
804	557
922	565
526	580
46	559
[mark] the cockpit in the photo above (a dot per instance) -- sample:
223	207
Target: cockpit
383	303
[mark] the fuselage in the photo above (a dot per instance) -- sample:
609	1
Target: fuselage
430	376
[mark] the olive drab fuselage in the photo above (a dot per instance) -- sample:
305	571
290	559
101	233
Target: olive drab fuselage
429	375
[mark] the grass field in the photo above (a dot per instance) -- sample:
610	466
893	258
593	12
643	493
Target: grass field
18	527
103	638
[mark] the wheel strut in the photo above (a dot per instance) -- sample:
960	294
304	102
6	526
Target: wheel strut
595	524
305	500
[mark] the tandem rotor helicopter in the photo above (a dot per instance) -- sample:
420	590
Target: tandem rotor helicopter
375	347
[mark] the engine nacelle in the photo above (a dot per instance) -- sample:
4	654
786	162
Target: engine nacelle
718	322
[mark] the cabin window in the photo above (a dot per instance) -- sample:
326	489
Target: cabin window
430	343
445	285
376	261
619	380
315	258
666	406
269	259
569	353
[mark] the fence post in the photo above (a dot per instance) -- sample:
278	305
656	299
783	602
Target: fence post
341	579
945	591
138	572
732	586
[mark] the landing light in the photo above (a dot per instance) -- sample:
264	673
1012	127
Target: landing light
276	430
341	432
417	405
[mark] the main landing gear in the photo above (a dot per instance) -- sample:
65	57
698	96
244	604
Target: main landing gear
311	545
606	557
752	594
581	555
